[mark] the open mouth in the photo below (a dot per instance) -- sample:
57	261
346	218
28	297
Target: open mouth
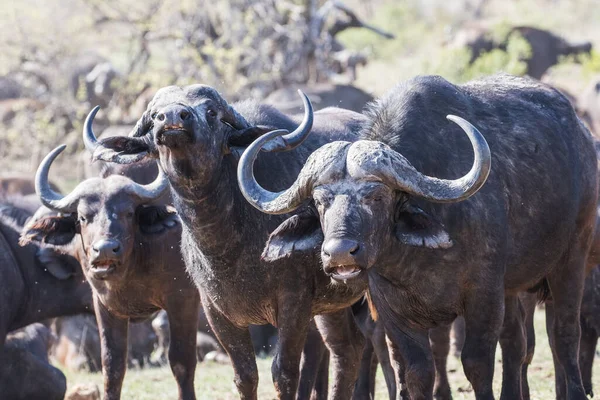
345	272
171	135
103	269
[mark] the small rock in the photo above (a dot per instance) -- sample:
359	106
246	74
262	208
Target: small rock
87	391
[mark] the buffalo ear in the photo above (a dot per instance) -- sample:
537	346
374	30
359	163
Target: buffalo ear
154	220
415	227
301	232
58	231
124	149
59	265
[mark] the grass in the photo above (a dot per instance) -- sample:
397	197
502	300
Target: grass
215	381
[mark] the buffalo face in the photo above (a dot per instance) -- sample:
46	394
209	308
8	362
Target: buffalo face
105	222
365	194
190	130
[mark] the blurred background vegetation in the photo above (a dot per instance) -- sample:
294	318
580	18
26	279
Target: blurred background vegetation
59	58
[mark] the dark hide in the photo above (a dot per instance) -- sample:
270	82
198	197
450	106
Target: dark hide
25	373
517	231
36	281
143	274
223	236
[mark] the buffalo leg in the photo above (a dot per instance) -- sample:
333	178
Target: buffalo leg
529	302
482	330
366	374
310	364
183	323
113	341
345	343
413	362
566	286
513	344
321	388
292	329
587	352
559	375
439	338
238	345
383	356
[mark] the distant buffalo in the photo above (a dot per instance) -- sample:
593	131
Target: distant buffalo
321	95
546	47
25	373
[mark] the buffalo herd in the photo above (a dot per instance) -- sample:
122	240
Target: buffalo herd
339	239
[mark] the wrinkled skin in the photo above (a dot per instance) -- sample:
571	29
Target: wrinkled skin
25	372
427	262
129	252
197	138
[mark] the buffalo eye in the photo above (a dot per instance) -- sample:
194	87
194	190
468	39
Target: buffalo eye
82	219
153	116
373	198
211	113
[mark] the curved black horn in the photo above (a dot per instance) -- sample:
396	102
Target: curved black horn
264	200
406	178
295	138
117	149
89	138
48	197
153	190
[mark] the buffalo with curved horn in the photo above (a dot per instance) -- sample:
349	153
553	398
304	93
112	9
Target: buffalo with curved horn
198	137
434	248
127	242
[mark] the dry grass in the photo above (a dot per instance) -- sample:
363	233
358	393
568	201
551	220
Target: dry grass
215	381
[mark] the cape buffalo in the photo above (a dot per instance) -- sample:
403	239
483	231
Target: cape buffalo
129	250
36	282
322	95
25	373
546	47
197	137
397	209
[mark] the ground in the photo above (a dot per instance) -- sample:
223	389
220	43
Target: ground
215	382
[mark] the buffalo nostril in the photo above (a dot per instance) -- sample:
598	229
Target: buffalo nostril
161	117
354	249
116	249
184	115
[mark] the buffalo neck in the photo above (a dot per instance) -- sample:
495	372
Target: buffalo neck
210	212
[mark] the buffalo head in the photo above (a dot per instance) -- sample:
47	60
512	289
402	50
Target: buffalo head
108	217
190	129
362	194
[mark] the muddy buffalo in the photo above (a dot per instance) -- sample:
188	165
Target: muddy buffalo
438	232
